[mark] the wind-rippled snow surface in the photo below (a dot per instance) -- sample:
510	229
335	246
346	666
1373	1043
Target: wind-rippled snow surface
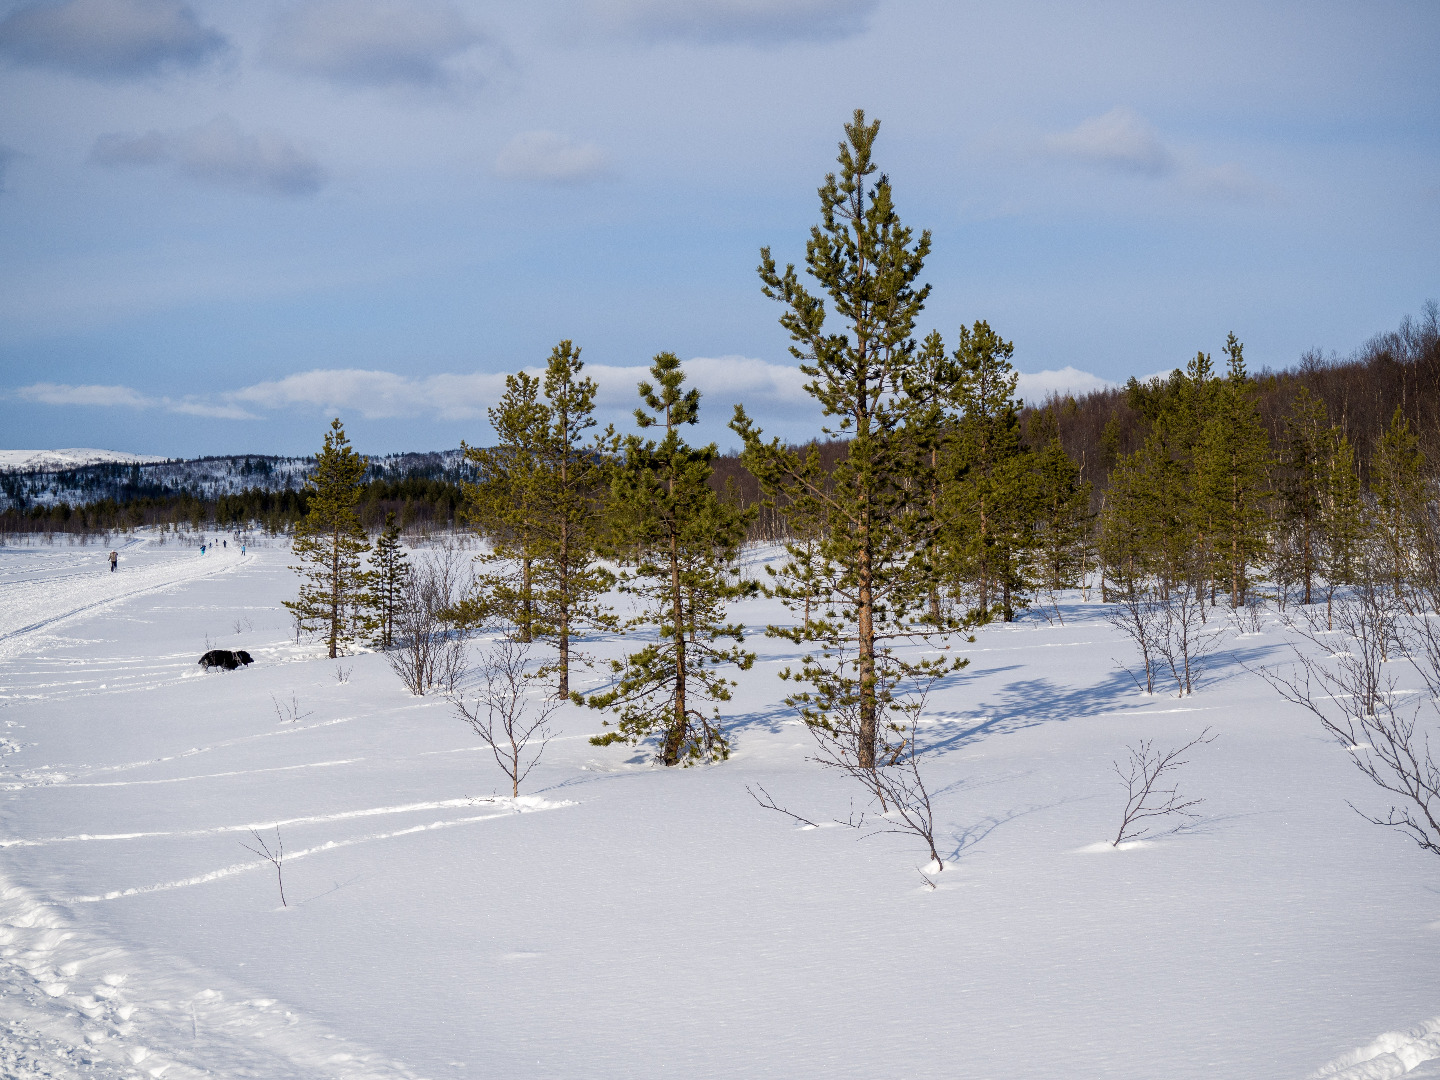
621	920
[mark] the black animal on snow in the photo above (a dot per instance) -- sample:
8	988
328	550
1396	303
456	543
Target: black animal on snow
224	658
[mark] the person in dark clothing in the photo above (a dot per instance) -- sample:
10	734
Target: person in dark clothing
114	558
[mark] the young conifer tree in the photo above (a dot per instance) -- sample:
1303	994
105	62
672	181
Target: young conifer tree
571	487
331	544
504	501
866	565
989	490
389	571
1342	521
1398	484
1302	482
1058	556
934	386
686	540
1234	461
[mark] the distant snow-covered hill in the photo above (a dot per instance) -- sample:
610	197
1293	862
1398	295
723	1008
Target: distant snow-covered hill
125	477
32	460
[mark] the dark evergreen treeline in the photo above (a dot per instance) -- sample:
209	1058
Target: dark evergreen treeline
1398	369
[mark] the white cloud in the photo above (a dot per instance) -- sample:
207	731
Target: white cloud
1120	139
219	153
379	394
124	397
1035	387
375	395
772	391
547	157
46	393
373	42
109	38
756	22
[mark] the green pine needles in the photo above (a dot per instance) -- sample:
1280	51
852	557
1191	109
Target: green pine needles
685	541
864	566
330	544
541	496
389	575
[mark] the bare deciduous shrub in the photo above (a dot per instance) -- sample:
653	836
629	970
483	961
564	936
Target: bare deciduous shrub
274	856
895	783
343	673
1166	622
1146	799
1186	641
430	650
1139	615
1342	679
289	713
512	725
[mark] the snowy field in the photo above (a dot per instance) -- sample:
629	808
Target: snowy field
627	921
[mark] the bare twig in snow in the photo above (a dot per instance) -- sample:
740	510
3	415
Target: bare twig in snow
769	804
275	857
1143	776
290	714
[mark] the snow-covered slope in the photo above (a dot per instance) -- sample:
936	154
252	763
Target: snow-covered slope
629	921
68	459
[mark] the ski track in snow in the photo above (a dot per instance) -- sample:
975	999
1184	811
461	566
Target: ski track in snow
62	777
1394	1053
524	804
521	805
41	603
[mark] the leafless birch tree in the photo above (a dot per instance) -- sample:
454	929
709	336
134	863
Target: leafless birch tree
513	726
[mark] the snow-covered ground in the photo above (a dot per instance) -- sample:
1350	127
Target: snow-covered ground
626	921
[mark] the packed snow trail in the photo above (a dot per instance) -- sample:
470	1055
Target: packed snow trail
87	585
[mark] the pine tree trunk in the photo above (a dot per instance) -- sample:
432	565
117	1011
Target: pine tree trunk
676	737
865	612
334	593
527	604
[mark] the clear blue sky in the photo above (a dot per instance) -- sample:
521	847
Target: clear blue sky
223	223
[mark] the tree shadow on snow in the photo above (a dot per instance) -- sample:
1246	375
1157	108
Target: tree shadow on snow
1027	703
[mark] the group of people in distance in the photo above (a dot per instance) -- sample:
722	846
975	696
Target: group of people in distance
115	555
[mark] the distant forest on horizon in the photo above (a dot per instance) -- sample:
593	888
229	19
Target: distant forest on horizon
1395	370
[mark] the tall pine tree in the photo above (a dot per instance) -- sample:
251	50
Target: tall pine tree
866	566
571	485
1342	520
1398	483
331	544
686	540
1234	461
989	490
1058	554
504	502
1303	461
